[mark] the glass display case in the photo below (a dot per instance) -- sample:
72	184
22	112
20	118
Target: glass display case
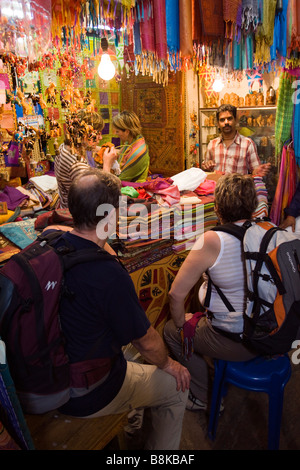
258	123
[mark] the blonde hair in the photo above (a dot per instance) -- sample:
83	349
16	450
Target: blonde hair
235	197
128	120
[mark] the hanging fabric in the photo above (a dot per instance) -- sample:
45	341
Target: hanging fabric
296	124
185	28
250	15
295	33
286	185
284	111
264	32
160	28
172	27
232	10
145	9
212	20
279	46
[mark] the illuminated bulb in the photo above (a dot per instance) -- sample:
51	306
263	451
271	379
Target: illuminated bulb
106	69
218	85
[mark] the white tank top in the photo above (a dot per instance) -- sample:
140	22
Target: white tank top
227	273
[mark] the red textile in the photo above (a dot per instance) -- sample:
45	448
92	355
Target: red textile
159	8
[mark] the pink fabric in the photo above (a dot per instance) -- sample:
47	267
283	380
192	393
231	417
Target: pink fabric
188	334
207	187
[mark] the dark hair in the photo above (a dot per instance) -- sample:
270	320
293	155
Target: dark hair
226	107
235	197
88	191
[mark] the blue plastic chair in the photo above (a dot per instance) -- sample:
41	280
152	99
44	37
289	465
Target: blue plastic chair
269	375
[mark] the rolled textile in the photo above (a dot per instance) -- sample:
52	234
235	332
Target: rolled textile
160	28
185	28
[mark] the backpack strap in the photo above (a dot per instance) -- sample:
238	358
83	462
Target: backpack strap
238	232
262	257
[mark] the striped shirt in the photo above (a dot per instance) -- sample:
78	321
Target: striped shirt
66	169
240	157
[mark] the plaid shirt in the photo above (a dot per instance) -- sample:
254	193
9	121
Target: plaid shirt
240	157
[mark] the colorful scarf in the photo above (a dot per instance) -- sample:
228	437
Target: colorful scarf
250	15
232	10
279	46
284	112
286	185
264	32
134	161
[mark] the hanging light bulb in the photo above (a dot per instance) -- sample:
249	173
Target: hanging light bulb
106	69
218	85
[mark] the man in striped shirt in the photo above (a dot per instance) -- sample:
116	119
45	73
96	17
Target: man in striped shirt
232	152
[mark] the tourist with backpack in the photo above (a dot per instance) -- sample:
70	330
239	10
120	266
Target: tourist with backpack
251	296
216	334
99	313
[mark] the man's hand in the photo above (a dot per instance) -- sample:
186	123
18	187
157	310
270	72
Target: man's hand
290	221
262	170
180	373
208	166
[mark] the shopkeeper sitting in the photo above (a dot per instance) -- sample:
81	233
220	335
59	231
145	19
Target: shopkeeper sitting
133	156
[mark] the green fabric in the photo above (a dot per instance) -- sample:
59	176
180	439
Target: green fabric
129	191
284	112
134	161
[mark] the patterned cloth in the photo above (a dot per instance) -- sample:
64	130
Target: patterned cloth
134	161
240	157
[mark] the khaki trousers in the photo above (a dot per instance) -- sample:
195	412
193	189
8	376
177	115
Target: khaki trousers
207	344
147	386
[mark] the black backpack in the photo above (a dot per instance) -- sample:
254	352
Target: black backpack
31	286
271	259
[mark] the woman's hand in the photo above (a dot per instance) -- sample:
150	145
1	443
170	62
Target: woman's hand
110	155
188	316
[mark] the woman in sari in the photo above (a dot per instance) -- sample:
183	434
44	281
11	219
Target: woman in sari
133	158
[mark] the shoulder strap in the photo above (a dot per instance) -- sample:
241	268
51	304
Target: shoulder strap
261	256
238	232
233	229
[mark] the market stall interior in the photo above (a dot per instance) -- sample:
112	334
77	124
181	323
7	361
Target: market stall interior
172	63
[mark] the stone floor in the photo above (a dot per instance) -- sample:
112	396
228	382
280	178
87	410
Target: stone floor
243	425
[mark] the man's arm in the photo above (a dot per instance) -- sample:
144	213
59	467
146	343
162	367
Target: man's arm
153	350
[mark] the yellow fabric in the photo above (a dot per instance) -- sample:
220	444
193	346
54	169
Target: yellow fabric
5	217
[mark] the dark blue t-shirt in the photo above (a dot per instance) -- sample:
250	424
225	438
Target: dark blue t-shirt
101	302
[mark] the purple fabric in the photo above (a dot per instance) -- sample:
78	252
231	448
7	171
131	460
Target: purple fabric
13	197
